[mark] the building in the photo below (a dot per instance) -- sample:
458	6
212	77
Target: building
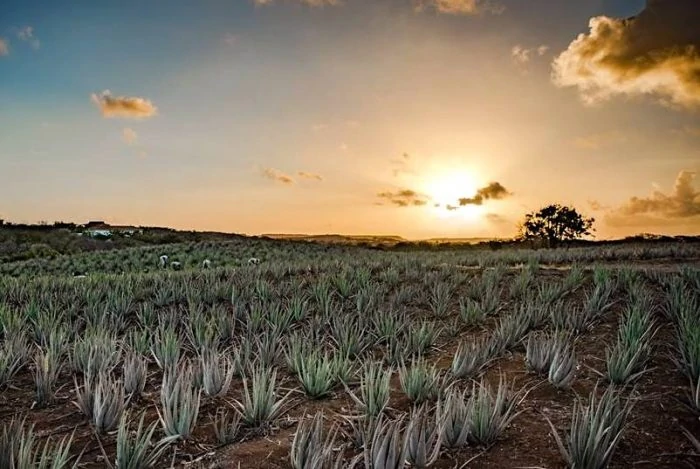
101	229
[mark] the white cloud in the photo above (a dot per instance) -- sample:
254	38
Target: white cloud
461	7
655	53
230	39
130	136
27	35
311	3
522	56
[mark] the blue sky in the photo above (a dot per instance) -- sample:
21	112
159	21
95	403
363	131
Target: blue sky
245	93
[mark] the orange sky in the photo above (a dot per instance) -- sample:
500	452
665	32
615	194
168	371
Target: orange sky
425	118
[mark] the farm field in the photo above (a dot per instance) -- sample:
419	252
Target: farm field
332	356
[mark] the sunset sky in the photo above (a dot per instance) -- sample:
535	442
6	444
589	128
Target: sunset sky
419	118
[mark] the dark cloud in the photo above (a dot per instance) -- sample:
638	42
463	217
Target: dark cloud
404	198
682	202
123	106
493	191
313	176
655	53
277	175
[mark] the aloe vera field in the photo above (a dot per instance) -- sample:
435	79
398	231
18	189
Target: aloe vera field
340	356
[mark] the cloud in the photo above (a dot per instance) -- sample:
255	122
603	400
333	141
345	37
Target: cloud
496	219
402	165
404	198
4	47
230	39
655	53
461	7
26	34
687	131
313	176
599	140
492	191
277	175
130	136
311	3
122	106
682	202
597	206
522	55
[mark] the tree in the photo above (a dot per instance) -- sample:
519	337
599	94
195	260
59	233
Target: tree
555	223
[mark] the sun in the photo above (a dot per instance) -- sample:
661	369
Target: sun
446	188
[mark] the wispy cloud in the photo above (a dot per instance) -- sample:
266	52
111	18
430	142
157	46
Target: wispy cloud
404	198
230	39
277	176
123	106
27	35
600	140
496	219
402	165
522	55
311	3
312	176
688	131
492	191
461	7
656	53
598	206
4	47
130	136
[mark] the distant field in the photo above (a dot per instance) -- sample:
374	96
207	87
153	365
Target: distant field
490	352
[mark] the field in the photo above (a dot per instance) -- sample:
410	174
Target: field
333	356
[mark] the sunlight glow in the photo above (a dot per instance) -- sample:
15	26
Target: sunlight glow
445	190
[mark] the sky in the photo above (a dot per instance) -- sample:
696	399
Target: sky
418	118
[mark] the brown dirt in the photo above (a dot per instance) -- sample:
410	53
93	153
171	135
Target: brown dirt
654	438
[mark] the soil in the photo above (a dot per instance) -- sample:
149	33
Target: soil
654	438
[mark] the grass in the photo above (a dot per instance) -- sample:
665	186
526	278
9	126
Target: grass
420	382
595	431
260	404
374	390
311	448
180	401
136	449
201	363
